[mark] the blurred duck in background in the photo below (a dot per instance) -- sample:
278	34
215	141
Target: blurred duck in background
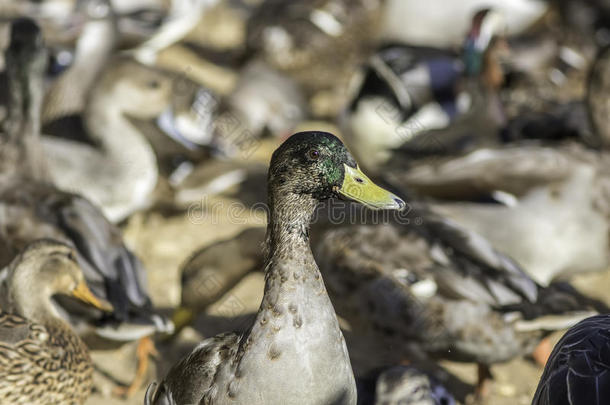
546	207
42	360
407	92
31	207
316	43
439	24
264	104
401	385
218	271
431	289
117	168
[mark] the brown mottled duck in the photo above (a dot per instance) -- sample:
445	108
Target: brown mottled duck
42	360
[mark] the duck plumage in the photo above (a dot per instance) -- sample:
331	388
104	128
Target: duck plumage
441	289
296	332
42	360
578	370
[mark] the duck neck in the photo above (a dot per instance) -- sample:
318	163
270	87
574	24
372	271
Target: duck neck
92	51
118	136
288	228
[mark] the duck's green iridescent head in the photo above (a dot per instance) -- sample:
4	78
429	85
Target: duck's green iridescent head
487	26
318	163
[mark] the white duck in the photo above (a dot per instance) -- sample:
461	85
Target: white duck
119	171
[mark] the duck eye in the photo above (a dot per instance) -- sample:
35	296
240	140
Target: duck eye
313	154
154	84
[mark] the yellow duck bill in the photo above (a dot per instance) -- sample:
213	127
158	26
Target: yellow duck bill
356	186
83	293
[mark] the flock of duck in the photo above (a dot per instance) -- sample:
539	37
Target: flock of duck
491	191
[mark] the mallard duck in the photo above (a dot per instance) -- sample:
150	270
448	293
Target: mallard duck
32	208
426	99
426	287
402	385
294	351
42	360
597	100
549	207
577	371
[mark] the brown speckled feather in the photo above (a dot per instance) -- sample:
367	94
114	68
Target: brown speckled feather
42	365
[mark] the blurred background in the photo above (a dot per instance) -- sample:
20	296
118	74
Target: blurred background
164	114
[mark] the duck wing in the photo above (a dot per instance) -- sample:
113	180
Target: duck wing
191	378
578	370
38	362
480	272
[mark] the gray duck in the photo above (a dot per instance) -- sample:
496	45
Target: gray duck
294	352
427	288
42	360
32	208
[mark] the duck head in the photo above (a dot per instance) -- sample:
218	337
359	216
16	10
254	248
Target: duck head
136	90
43	269
486	32
318	164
